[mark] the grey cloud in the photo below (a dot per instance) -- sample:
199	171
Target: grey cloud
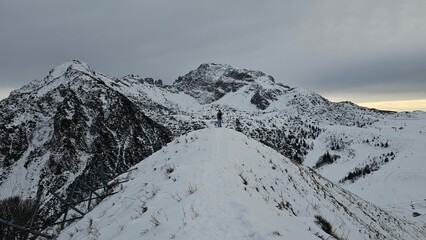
393	74
122	37
325	47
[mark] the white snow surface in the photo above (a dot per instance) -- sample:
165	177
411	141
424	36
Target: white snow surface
219	184
398	185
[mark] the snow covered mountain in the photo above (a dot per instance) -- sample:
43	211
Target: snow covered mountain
70	125
220	184
76	123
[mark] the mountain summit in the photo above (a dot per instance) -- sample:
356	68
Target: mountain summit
210	81
60	75
219	184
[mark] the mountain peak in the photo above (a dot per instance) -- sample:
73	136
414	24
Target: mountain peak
67	66
61	74
211	81
225	72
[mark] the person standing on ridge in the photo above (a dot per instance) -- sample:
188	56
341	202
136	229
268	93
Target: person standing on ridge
219	119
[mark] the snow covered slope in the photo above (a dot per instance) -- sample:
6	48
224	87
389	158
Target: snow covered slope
219	184
384	163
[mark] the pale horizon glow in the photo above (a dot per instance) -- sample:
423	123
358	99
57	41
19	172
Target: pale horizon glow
400	105
404	105
5	92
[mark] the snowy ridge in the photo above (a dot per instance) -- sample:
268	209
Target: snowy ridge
219	184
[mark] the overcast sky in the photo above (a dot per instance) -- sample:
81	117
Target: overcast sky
362	50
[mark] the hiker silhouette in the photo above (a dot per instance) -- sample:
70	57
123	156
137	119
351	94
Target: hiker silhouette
219	118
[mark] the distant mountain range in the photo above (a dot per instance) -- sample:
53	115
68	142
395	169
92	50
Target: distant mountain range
76	122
